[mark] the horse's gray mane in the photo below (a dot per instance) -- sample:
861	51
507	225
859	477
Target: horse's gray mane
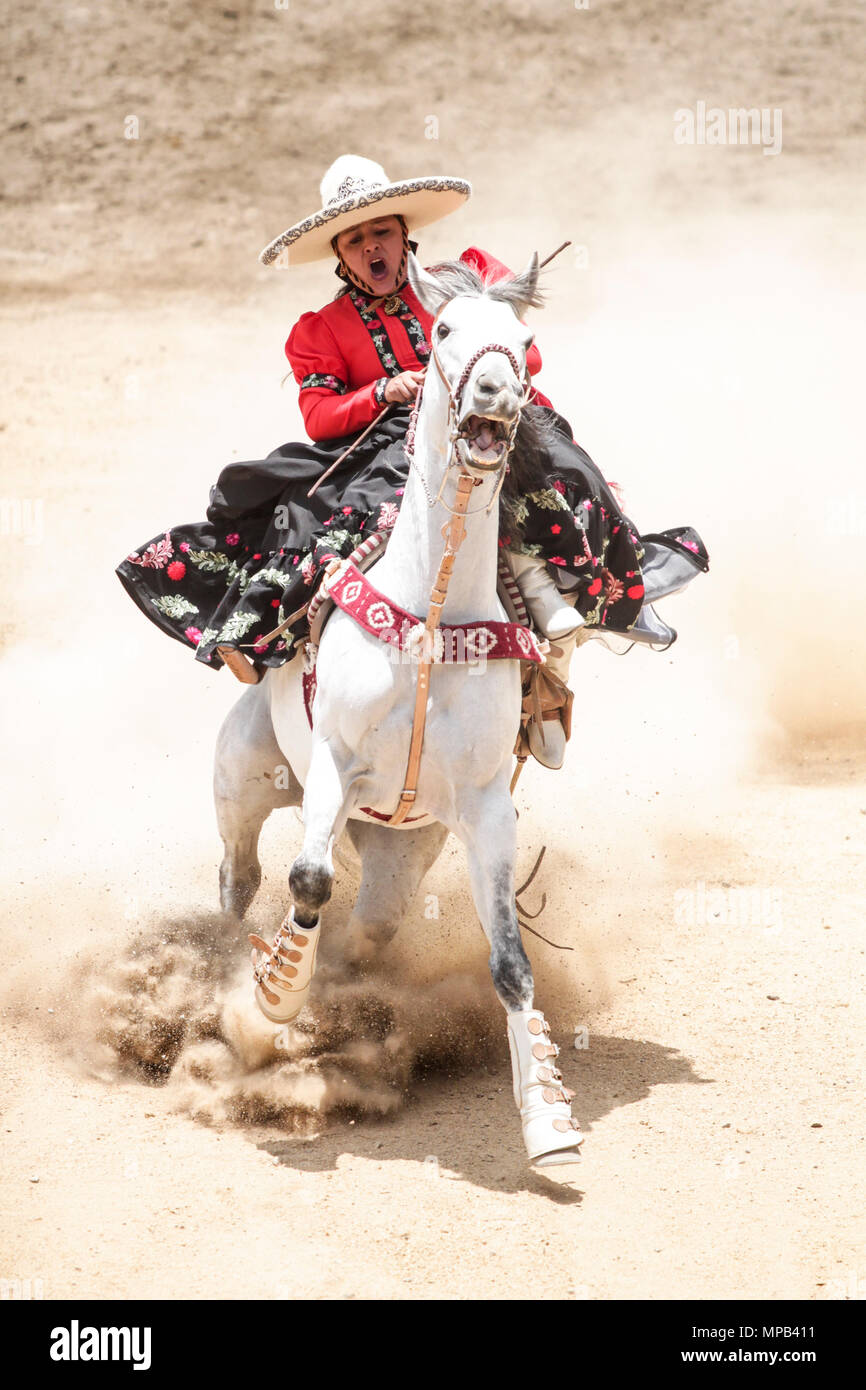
456	277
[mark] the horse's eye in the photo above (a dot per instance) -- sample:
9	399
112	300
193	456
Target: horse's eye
442	330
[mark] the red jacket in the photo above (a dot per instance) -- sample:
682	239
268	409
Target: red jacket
342	356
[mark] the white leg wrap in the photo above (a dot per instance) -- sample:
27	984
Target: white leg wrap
549	1132
283	977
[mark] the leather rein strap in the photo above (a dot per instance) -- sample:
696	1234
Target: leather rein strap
453	531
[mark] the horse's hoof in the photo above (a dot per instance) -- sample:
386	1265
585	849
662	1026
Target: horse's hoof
557	1158
284	976
547	1144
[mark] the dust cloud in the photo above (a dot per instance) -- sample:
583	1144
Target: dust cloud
174	1008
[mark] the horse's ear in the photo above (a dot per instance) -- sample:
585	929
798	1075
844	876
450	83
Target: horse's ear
522	292
426	287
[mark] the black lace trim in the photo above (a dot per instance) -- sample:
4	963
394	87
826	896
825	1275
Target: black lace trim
376	329
326	380
375	323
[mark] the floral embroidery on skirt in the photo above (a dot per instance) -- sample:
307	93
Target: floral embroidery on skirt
257	558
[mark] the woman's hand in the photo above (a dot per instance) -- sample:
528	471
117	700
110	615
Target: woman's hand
404	387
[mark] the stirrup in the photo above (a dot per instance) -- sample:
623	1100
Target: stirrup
547	739
547	701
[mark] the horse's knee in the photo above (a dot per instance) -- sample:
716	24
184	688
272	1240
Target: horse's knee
512	973
310	881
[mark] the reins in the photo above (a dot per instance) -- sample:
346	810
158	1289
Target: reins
346	452
454	434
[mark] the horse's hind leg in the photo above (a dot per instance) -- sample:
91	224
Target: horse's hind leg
251	779
487	827
393	864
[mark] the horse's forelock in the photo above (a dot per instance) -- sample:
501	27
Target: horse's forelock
458	278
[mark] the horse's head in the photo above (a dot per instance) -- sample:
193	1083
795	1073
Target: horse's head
479	347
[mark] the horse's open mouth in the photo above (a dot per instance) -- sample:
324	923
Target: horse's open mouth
486	440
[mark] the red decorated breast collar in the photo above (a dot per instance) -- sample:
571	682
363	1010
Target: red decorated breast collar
454	643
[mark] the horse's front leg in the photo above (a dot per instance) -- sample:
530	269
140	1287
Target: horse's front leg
283	978
487	825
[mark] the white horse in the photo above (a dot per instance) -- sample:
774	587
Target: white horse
356	754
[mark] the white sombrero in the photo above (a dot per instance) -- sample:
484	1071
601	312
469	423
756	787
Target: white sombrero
355	190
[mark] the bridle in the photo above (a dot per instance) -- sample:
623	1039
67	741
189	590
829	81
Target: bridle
455	433
453	533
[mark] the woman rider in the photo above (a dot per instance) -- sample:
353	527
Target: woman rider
230	581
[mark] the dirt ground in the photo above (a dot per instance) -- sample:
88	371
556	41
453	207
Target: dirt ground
705	840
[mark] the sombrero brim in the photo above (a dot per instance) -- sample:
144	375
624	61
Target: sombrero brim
420	201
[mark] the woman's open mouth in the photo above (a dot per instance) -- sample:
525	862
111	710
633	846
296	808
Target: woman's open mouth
378	269
486	440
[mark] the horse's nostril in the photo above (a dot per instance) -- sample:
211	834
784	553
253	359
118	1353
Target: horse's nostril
487	386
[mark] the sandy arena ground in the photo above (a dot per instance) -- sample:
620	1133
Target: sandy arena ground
705	841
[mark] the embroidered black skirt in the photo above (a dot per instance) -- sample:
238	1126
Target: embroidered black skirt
232	579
